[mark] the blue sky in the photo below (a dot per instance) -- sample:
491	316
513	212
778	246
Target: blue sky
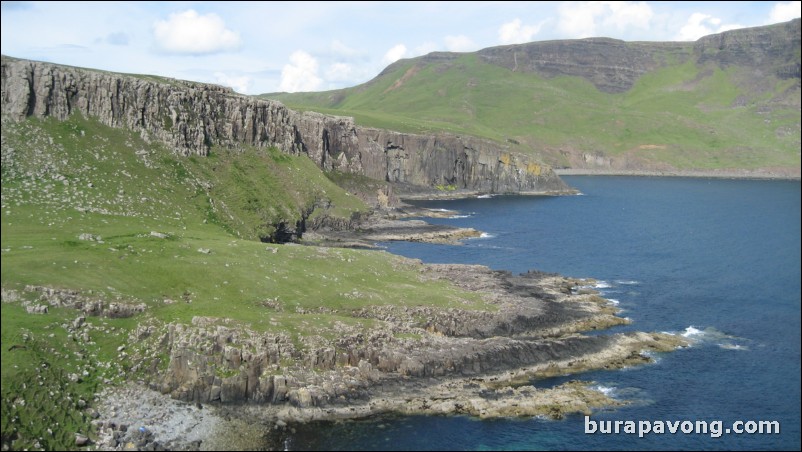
258	47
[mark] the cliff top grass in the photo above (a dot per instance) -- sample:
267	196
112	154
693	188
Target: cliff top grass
98	210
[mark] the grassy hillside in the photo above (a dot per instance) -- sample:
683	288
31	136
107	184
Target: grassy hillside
683	115
99	211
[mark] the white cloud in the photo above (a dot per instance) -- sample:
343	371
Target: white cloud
580	19
300	74
516	32
459	43
700	24
191	33
395	53
783	12
624	15
339	72
239	83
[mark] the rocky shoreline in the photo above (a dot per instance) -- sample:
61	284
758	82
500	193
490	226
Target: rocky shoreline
415	361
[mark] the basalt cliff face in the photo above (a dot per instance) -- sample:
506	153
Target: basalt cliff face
193	117
613	66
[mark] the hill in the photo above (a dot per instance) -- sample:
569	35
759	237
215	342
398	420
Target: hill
729	101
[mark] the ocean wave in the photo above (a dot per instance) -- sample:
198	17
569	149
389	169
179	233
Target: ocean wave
452	217
691	332
609	391
712	336
627	282
484	196
613	301
484	235
726	346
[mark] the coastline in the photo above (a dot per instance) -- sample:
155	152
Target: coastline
782	174
478	363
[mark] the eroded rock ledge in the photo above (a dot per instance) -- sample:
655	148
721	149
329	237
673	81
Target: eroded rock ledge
415	360
412	360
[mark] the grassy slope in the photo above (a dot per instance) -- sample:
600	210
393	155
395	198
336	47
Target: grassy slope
683	115
121	188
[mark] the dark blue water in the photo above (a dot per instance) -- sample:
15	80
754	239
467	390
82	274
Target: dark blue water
717	260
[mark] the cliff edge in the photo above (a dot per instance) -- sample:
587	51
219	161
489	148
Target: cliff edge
193	117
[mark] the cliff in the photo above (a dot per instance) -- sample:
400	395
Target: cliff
193	117
613	66
728	102
772	50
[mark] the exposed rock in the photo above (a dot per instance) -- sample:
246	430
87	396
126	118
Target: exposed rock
89	305
610	64
192	117
614	66
81	440
36	309
769	50
532	331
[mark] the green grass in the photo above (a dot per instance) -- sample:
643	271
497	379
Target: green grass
120	189
687	116
49	378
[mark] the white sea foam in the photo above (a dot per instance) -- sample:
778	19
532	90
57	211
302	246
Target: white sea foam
727	346
626	282
691	332
613	301
452	217
602	285
712	336
441	210
484	196
485	235
609	391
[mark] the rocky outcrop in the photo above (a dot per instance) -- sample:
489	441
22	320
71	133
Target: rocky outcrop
58	298
533	331
611	65
193	117
770	50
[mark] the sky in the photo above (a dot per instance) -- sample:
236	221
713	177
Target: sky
261	47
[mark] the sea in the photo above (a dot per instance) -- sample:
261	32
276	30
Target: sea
714	260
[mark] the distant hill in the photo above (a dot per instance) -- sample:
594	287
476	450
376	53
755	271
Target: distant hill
728	101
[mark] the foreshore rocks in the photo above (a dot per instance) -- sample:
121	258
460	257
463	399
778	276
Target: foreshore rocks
202	379
415	360
533	330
